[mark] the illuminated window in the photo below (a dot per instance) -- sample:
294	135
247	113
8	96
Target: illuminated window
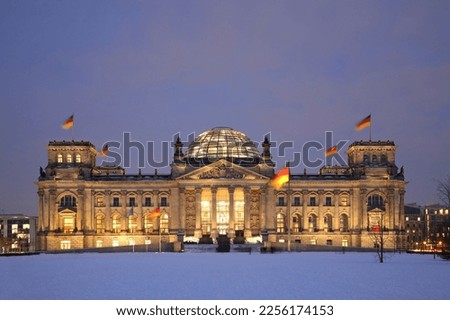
14	228
60	158
131	242
148	224
100	202
65	244
68	224
26	226
132	223
345	243
115	243
239	204
99	243
116	224
418	218
206	211
313	242
78	158
407	218
296	223
280	223
164	223
100	223
69	158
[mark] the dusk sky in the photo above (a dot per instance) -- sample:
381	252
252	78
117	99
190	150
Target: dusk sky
294	69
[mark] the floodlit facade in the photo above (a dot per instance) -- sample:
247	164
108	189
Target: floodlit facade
219	185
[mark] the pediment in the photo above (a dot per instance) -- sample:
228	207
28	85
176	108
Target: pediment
222	169
376	211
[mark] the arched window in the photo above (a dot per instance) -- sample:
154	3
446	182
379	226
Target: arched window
383	158
60	158
132	223
164	223
312	221
366	158
374	158
280	223
343	223
328	223
68	202
148	224
116	223
296	223
69	158
100	223
375	201
78	158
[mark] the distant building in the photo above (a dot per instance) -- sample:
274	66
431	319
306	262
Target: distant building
220	185
437	225
17	233
414	226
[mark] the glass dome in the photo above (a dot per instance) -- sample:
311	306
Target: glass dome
222	143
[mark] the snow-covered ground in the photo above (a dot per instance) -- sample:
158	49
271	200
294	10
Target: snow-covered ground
306	275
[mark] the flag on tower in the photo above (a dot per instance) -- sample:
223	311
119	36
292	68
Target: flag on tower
105	150
364	123
280	178
331	151
68	123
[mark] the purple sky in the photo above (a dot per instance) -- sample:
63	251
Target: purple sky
155	68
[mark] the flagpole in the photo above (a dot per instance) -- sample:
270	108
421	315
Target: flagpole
370	128
73	127
289	207
160	234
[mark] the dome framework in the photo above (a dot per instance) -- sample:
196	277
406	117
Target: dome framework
222	143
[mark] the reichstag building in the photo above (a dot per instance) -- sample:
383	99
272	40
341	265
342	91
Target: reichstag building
220	185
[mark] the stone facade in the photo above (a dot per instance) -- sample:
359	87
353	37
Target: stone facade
219	188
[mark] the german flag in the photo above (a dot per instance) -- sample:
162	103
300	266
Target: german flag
364	123
280	178
68	123
105	150
331	151
155	214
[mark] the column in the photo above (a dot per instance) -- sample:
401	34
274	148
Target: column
401	208
108	221
124	219
139	220
247	230
320	223
262	209
336	220
52	209
198	212
305	223
182	209
214	212
81	212
41	216
363	209
231	231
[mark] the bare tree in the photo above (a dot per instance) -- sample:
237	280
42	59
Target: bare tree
443	190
